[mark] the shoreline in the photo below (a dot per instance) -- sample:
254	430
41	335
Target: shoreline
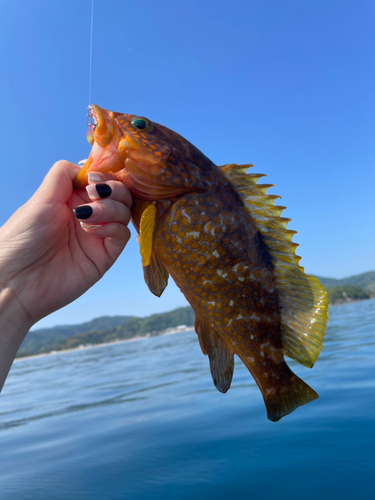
84	347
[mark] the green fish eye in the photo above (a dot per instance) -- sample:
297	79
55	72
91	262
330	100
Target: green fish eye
139	123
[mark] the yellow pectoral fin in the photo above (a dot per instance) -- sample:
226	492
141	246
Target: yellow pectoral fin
147	233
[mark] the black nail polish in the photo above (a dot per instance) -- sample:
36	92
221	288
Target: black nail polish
103	190
82	212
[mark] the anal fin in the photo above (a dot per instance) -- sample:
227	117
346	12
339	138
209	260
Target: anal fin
220	356
156	276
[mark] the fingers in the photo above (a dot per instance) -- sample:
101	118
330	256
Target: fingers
115	234
111	200
109	213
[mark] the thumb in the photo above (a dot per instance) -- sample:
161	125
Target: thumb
57	186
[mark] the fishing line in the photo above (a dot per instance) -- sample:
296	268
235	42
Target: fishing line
90	121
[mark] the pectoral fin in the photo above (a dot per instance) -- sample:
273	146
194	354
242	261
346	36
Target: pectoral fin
154	272
147	233
156	276
220	356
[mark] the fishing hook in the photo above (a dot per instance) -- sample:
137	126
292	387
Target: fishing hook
90	118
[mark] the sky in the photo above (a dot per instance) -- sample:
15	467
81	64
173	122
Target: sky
284	84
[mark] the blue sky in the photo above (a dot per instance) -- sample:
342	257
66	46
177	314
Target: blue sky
284	84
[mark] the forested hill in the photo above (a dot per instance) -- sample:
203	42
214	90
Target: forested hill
44	340
366	281
359	287
101	330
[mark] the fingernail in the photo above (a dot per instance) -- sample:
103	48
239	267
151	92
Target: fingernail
89	227
83	212
103	190
95	177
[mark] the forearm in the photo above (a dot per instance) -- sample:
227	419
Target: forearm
14	325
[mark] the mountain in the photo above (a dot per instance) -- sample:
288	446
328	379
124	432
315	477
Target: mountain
101	330
346	293
358	287
136	327
364	280
43	340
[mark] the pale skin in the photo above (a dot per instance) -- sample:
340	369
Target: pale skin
48	258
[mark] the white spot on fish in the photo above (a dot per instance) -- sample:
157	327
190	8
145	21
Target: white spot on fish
270	391
185	215
221	273
206	230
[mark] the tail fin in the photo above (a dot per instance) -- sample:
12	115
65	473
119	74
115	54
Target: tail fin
283	399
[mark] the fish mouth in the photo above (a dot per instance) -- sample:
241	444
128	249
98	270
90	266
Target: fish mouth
104	138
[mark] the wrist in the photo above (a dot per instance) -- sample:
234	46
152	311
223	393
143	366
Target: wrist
12	310
14	325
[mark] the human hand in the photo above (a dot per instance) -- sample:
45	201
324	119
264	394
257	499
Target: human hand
47	258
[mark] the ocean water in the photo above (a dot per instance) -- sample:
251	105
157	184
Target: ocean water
142	421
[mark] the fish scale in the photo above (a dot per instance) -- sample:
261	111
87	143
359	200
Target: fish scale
219	236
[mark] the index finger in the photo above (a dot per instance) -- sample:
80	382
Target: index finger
117	192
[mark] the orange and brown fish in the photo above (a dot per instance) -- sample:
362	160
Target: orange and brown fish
219	236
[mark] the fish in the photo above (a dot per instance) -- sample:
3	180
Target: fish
220	237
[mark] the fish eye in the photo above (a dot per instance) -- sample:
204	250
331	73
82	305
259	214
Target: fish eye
141	123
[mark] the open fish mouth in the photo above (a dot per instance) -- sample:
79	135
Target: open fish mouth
104	138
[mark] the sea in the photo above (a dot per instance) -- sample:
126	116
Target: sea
142	420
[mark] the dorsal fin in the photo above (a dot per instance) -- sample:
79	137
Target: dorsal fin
302	298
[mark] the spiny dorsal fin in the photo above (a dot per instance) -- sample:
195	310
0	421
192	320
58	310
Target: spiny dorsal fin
147	233
302	298
220	356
